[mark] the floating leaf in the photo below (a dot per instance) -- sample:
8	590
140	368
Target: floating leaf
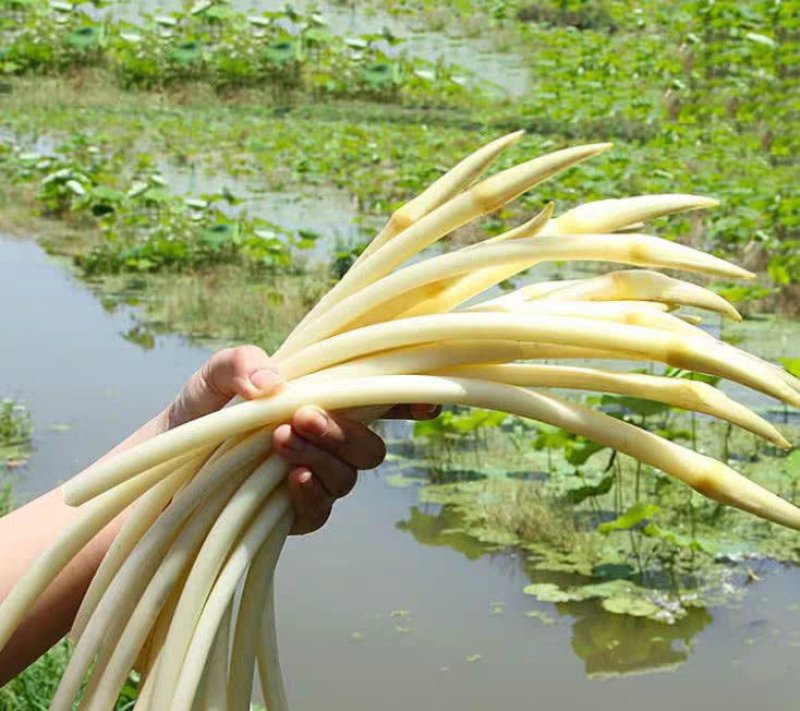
549	592
633	606
75	187
791	465
576	496
540	615
381	74
760	39
220	234
636	514
578	451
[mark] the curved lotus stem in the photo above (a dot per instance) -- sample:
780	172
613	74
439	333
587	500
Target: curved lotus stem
438	193
623	285
97	514
623	213
442	190
711	478
483	198
264	536
217	544
646	285
443	295
678	392
147	509
268	659
459	359
212	693
365	306
128	610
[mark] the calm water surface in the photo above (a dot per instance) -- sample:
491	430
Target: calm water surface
369	617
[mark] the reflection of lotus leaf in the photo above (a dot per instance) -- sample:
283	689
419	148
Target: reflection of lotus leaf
633	605
442	530
622	644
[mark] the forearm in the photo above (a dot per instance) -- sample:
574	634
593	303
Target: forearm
26	533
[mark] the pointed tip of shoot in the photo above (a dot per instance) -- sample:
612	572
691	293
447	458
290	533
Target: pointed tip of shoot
501	188
617	214
513	137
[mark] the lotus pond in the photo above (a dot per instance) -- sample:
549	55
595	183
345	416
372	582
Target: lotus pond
180	177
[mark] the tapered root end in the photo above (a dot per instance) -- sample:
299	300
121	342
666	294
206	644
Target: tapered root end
723	484
628	213
500	189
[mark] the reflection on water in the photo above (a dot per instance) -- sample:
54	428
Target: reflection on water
342	647
442	529
614	645
608	644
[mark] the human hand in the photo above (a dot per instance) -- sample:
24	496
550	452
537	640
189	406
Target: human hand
324	450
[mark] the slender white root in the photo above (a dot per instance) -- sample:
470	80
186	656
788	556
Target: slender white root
268	661
678	392
479	200
212	694
367	305
442	190
274	520
443	295
459	359
142	516
438	193
625	285
129	584
220	540
679	350
126	613
710	478
644	284
256	598
624	213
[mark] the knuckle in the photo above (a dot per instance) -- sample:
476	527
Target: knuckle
345	483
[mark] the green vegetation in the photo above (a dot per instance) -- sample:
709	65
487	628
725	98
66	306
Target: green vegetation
609	529
15	433
212	42
714	91
102	118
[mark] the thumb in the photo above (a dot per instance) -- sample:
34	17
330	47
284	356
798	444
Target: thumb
244	371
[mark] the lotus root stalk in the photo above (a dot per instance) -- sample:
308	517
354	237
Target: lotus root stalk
209	508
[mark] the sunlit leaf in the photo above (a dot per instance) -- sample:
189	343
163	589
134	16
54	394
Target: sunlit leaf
635	515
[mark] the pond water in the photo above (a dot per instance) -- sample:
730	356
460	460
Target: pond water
330	213
374	613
